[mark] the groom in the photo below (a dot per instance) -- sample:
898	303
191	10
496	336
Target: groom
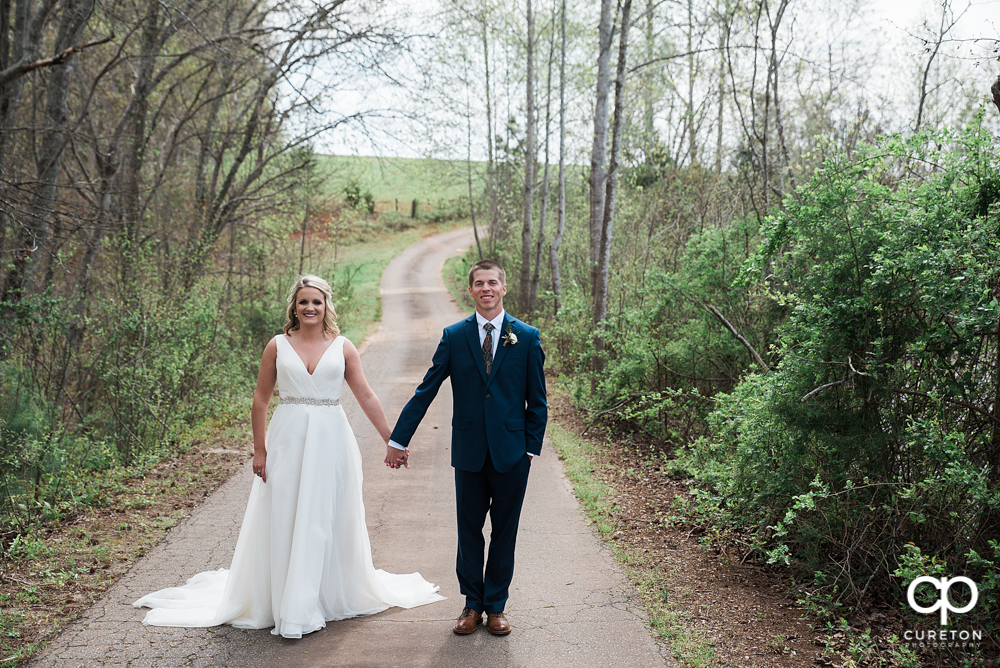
498	387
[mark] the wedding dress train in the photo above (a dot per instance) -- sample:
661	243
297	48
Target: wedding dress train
303	556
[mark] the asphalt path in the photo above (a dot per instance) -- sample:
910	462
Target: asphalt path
569	603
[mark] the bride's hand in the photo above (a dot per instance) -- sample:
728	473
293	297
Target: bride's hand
259	464
396	458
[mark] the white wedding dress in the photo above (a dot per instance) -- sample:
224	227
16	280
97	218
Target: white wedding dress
303	556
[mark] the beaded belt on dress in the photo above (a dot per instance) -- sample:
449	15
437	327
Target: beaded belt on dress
310	401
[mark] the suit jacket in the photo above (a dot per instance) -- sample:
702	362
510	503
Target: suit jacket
504	414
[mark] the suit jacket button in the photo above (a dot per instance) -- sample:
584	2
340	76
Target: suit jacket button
488	396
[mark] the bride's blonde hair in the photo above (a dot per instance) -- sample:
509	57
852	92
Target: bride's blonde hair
329	314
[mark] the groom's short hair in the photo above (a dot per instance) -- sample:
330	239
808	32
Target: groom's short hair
487	265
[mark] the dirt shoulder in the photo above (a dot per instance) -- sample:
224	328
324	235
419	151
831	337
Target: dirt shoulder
712	606
49	577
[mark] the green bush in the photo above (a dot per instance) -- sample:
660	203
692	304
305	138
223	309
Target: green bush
667	354
878	432
357	198
143	375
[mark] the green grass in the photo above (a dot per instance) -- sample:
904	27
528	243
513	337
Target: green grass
402	179
579	460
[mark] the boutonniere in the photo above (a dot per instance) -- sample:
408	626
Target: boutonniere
509	338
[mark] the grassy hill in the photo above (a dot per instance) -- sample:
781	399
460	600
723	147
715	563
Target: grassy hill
398	181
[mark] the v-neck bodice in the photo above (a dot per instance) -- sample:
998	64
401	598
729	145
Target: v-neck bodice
325	382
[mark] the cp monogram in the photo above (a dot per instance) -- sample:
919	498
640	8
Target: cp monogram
944	603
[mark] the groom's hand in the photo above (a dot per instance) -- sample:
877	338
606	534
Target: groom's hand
396	458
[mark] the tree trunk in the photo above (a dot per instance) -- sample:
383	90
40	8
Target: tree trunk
5	29
468	166
53	140
524	287
692	142
491	180
557	241
604	259
302	244
775	71
723	38
19	42
536	275
81	293
762	137
599	153
25	37
648	95
943	29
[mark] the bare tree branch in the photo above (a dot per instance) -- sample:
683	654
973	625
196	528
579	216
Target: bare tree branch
19	69
739	337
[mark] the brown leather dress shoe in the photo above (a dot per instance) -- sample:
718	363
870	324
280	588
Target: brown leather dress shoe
497	624
468	621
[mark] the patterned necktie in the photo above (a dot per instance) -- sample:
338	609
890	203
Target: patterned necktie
488	347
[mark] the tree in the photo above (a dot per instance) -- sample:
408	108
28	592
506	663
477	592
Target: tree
611	196
537	271
524	285
599	152
34	232
946	24
561	227
175	130
468	165
762	107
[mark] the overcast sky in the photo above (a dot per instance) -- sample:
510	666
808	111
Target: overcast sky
981	19
894	20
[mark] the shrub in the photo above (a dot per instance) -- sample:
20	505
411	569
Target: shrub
878	431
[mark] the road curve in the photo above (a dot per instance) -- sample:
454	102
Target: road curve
569	603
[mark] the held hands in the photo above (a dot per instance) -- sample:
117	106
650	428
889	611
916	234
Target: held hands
395	458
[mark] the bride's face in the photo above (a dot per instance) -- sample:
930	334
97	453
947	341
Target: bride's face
310	307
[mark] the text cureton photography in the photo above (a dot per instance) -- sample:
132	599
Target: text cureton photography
943	638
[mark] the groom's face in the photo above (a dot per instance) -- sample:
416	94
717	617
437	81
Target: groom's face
487	291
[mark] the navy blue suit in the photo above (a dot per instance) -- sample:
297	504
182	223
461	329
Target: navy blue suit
496	421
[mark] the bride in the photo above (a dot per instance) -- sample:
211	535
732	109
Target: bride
303	556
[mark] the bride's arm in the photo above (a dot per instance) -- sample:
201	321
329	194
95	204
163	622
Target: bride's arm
355	377
266	378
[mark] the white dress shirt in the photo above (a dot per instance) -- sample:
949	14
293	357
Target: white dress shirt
497	334
497	323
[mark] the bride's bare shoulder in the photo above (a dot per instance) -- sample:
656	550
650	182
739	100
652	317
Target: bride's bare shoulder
270	354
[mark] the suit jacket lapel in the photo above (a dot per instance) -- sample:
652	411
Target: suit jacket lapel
472	334
501	350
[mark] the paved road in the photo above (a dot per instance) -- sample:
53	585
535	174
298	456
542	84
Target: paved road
569	603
